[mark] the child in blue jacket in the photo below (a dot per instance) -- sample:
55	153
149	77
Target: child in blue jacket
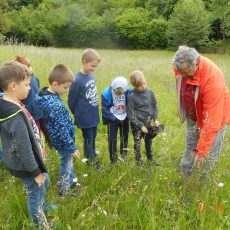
114	115
59	123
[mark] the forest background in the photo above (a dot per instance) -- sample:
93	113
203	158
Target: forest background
129	24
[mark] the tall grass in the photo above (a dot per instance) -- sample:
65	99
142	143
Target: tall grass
126	196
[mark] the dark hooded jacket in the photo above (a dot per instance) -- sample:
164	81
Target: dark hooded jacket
21	153
142	107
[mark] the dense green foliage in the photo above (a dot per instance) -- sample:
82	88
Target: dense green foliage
134	24
125	196
189	24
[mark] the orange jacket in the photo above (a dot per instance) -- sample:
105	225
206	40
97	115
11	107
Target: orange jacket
212	102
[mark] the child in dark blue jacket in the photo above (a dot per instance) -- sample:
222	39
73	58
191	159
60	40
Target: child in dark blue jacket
59	123
114	100
29	101
83	102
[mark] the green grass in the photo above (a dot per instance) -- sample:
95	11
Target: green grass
126	196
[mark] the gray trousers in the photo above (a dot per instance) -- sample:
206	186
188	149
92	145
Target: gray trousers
192	137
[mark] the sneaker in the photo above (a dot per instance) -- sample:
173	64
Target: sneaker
74	183
113	163
75	180
139	163
155	163
98	167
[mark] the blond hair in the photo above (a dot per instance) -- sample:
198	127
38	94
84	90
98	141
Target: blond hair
136	78
89	55
61	74
13	71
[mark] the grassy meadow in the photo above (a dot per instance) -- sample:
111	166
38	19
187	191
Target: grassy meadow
126	196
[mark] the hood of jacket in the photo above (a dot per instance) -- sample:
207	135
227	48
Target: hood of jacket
8	110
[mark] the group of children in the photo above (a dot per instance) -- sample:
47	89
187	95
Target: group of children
25	111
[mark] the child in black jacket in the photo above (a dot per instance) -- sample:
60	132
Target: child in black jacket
21	144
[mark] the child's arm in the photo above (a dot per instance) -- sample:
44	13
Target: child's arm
144	129
106	114
40	179
76	154
73	95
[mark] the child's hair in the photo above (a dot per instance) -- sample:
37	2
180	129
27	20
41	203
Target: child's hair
13	71
137	78
24	60
119	91
61	74
90	55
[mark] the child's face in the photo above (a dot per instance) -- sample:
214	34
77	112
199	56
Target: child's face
187	71
61	88
142	87
89	67
22	88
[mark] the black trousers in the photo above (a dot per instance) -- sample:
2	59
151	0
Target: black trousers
113	127
138	135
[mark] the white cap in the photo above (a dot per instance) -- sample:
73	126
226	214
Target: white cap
120	82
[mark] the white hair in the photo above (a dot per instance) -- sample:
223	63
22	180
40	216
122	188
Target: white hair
185	54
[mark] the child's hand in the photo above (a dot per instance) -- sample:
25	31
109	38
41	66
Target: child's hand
40	179
157	123
76	154
144	129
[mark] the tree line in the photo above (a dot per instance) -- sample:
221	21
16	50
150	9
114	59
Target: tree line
132	24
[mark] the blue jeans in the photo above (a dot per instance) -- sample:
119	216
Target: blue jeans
66	173
35	199
89	135
1	155
72	175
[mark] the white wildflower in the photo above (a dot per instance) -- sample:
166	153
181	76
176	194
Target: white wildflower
220	185
105	213
84	160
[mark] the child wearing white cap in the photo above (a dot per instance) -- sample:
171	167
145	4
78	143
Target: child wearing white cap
114	115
